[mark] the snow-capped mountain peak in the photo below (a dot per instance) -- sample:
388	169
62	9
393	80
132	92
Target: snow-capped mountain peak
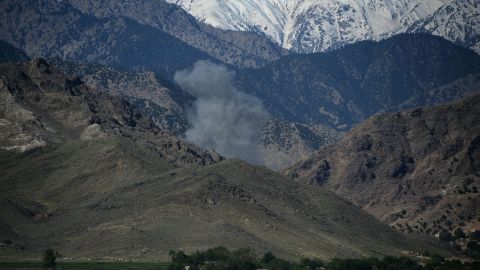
315	25
265	16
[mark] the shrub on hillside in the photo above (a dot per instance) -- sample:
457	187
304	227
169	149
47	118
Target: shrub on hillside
311	264
474	236
458	233
445	236
267	258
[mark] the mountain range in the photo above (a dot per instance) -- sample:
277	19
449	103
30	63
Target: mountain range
128	36
140	192
331	92
237	48
343	87
338	89
312	26
122	126
281	143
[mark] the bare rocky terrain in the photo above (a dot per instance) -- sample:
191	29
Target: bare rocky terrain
120	48
417	170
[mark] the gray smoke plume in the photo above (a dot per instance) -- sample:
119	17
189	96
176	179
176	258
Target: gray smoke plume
223	118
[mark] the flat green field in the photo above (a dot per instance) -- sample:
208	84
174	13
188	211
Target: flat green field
86	265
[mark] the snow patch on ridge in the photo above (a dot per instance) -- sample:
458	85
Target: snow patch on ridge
318	25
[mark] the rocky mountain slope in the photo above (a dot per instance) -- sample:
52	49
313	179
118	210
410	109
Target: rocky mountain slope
458	21
345	86
85	173
52	28
161	101
417	170
129	39
338	89
282	143
41	108
313	26
238	48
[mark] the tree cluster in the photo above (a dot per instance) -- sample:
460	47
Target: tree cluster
220	258
471	241
49	258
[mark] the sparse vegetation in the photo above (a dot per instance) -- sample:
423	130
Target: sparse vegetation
468	244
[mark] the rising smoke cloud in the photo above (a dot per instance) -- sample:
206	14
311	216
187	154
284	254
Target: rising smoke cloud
223	118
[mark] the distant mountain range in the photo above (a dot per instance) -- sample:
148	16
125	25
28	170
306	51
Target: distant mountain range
237	48
313	26
149	35
282	143
343	87
337	89
56	29
329	92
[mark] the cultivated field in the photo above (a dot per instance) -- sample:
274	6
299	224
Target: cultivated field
85	266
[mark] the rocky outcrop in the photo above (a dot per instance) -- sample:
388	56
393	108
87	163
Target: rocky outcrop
41	107
157	99
284	143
